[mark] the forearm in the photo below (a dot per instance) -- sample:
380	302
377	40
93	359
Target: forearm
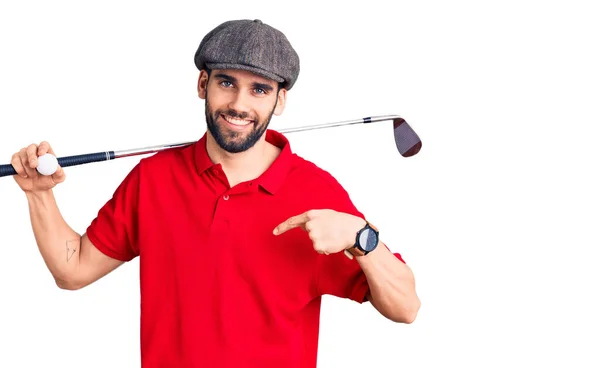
59	245
391	285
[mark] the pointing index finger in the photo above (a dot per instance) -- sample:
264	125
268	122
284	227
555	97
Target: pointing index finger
291	223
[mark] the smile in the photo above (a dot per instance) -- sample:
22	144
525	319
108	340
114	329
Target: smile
238	123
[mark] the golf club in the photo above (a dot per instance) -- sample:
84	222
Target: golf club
407	141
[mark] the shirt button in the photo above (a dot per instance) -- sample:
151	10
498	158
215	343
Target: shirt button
226	197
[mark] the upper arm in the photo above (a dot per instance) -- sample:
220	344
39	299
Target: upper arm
93	264
111	238
341	277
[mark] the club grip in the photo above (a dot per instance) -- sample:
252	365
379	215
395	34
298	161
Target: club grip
85	158
7	170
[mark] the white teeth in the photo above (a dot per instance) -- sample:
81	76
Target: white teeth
237	121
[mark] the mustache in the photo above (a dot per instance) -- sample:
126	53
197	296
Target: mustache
235	114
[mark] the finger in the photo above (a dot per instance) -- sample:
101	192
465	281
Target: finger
28	170
17	165
315	239
59	176
44	148
288	224
320	245
291	223
31	172
32	156
319	248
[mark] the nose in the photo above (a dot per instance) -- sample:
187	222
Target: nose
240	103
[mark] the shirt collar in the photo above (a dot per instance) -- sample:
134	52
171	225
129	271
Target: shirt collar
202	160
272	179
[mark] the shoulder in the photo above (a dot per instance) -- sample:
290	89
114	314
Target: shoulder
320	187
309	173
170	155
161	167
167	161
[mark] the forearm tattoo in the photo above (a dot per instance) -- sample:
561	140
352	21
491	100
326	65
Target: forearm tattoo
71	248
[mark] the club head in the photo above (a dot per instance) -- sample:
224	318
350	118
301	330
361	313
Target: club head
407	141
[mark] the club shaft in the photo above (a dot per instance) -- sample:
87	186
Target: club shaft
153	149
340	123
8	170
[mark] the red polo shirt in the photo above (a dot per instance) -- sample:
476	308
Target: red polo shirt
218	289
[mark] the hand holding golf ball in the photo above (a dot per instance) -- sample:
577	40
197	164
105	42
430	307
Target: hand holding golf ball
47	164
37	168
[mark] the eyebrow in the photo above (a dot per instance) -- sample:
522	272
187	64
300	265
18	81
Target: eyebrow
226	77
263	86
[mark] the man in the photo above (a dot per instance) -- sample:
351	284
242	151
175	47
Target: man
238	237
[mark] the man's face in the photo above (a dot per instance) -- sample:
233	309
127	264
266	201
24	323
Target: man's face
239	106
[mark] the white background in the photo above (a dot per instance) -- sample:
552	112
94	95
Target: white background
497	216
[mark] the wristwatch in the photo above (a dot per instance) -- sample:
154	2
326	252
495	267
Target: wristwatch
367	239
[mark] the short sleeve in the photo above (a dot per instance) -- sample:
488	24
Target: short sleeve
338	275
114	230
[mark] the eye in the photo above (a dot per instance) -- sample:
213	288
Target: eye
260	91
226	83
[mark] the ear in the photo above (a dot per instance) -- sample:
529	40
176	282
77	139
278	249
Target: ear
281	98
202	84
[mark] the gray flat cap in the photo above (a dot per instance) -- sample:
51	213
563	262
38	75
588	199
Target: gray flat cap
250	45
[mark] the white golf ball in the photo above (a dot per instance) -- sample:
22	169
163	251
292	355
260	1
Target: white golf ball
47	164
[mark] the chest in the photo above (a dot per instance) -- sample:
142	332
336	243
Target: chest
225	242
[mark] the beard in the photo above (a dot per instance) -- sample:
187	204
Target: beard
232	141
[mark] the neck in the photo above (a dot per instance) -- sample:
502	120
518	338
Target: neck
243	166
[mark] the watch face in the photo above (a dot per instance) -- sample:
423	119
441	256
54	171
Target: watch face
368	239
